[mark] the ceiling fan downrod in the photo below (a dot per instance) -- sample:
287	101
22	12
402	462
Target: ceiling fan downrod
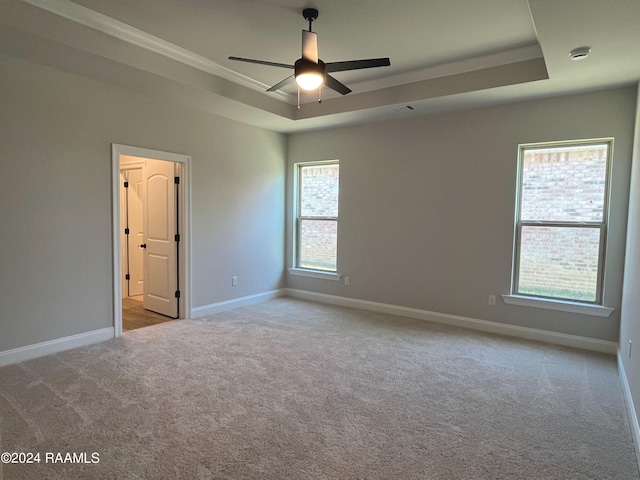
310	14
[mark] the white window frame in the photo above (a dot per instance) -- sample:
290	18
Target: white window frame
298	218
562	304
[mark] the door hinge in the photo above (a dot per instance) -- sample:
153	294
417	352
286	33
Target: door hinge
176	180
177	237
127	277
126	231
177	293
126	184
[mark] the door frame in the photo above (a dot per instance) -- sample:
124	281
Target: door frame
123	208
184	213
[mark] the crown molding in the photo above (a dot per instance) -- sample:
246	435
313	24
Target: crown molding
481	62
134	36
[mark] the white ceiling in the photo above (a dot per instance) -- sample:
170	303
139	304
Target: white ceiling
445	54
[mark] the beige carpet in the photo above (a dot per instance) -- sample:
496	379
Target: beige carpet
296	390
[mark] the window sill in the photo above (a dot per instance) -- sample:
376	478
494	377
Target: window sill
301	272
559	305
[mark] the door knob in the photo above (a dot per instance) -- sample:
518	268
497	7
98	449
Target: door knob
144	245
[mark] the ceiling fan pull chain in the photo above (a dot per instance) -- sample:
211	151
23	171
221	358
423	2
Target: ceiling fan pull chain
298	97
320	94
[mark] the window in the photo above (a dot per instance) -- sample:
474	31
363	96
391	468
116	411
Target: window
561	220
317	216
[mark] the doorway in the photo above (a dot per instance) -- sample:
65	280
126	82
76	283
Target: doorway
151	222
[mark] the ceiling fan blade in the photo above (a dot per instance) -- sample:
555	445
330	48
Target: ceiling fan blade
310	46
281	84
357	64
334	84
261	62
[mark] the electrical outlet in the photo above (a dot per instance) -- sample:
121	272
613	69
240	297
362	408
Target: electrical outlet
234	281
630	347
492	299
347	281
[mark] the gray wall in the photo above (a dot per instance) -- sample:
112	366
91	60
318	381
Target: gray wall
427	205
630	323
426	202
56	131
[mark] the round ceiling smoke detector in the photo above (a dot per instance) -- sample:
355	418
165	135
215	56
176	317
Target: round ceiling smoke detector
579	53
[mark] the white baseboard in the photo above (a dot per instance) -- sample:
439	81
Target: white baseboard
631	410
576	341
29	352
205	310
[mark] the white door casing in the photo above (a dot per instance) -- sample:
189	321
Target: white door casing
159	238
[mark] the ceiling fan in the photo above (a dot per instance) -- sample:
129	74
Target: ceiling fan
309	71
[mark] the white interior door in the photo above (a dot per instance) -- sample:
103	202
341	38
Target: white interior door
136	238
159	242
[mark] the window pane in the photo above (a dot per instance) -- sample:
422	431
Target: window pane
559	262
564	183
318	244
319	191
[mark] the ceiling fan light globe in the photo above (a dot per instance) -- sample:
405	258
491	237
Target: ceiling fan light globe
309	81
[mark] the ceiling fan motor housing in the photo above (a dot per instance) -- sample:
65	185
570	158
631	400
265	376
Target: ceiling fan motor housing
303	65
